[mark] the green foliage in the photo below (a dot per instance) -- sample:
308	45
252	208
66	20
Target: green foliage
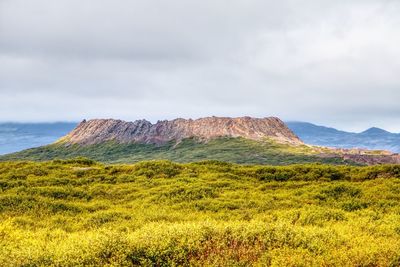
77	212
236	150
336	192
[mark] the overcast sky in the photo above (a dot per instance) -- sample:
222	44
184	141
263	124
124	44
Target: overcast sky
335	63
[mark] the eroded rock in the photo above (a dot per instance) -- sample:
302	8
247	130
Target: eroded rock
142	131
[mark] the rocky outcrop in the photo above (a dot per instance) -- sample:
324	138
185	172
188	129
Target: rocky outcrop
373	159
142	131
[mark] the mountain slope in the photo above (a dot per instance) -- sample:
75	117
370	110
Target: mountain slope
228	149
373	138
239	140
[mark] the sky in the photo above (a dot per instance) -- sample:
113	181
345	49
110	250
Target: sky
335	63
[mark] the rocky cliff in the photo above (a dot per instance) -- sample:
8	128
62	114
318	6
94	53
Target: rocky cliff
142	131
165	140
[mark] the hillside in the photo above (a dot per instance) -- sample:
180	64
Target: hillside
373	138
81	213
238	140
235	150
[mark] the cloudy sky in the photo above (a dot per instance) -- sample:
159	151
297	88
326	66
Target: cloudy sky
335	63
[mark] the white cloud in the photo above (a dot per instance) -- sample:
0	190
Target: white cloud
331	62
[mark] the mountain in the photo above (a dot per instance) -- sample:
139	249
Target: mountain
373	138
240	140
17	136
376	132
142	131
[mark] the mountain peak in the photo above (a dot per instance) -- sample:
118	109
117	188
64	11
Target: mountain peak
142	131
375	131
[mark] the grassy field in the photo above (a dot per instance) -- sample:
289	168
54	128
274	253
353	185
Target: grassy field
235	150
82	213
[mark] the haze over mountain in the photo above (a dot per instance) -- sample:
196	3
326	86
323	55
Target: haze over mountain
372	138
18	136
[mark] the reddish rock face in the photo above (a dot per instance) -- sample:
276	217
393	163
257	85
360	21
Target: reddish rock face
142	131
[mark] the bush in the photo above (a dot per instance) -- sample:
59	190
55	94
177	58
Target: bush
161	213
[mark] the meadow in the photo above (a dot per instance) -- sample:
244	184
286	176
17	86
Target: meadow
159	213
234	150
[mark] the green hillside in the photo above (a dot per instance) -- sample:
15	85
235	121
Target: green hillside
235	150
82	213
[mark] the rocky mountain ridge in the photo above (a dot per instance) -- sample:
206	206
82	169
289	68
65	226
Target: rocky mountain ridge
263	141
98	131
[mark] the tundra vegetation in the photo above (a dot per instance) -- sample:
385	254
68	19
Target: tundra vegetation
158	213
235	150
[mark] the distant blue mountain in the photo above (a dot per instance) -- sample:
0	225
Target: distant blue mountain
373	138
18	136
